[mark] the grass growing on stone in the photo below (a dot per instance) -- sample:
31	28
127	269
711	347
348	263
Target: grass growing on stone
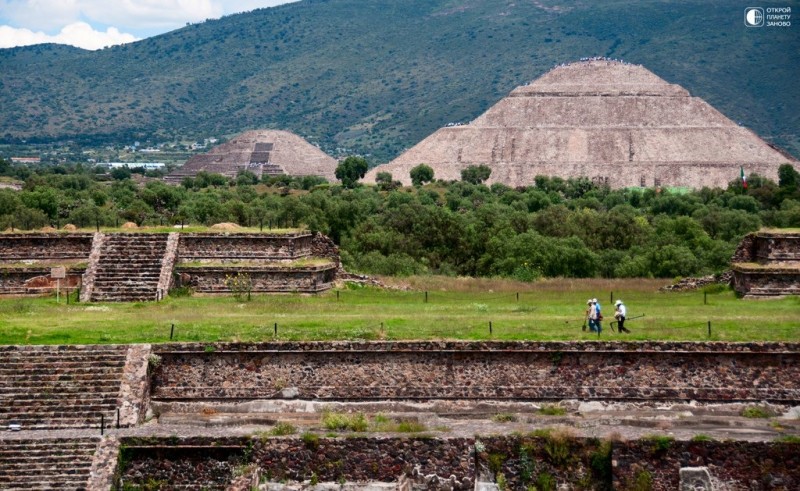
456	308
552	410
756	412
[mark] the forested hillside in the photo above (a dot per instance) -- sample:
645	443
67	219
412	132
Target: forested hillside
556	228
377	76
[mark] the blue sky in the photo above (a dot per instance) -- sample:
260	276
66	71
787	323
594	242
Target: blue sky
93	24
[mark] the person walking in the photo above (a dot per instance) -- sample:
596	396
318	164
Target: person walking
594	323
598	316
620	314
587	315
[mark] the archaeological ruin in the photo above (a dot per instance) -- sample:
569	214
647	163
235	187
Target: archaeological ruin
140	266
767	264
615	123
438	415
262	152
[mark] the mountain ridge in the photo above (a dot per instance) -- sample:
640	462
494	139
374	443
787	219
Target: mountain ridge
375	77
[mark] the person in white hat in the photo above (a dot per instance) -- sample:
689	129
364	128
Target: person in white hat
620	315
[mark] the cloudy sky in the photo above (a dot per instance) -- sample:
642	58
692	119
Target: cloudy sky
93	24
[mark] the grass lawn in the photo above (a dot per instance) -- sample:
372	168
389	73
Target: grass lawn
456	309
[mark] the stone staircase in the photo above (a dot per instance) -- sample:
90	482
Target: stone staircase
38	464
44	387
129	268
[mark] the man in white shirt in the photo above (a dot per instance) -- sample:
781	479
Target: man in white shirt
620	315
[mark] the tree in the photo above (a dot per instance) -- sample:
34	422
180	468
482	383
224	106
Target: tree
788	177
476	174
385	182
350	170
421	174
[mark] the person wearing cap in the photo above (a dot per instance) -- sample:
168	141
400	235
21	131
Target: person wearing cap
593	314
620	315
599	316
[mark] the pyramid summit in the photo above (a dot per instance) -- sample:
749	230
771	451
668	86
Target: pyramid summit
613	122
263	152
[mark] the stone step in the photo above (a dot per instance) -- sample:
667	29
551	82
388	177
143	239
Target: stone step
65	362
124	296
92	424
59	412
99	376
57	442
21	360
45	465
66	350
48	482
131	273
128	286
56	406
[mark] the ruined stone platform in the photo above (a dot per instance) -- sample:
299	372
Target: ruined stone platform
767	264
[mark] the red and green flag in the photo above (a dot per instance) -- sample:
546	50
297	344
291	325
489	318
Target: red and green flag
744	177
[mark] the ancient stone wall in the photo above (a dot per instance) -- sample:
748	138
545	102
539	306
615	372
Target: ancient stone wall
766	281
36	280
521	461
731	465
767	263
237	247
772	247
746	250
501	371
38	247
309	279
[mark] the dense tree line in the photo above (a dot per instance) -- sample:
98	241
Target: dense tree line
557	227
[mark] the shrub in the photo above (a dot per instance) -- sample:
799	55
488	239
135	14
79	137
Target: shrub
756	412
343	422
181	291
239	284
552	410
642	482
504	418
410	427
702	438
283	429
660	443
311	440
545	482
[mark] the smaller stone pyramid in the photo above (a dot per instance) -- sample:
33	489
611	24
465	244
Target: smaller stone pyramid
262	152
613	122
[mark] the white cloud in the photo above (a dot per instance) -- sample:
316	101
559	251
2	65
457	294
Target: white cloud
78	34
127	14
77	22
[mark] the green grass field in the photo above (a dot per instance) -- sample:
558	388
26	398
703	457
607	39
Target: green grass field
456	309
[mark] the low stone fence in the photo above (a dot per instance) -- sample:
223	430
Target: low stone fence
479	370
547	460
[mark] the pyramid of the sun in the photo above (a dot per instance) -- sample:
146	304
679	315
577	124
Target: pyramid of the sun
263	152
612	122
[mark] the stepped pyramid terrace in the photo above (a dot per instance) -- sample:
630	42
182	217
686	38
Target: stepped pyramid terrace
141	266
767	264
615	123
262	152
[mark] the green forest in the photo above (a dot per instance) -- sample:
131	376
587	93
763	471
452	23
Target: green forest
557	228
